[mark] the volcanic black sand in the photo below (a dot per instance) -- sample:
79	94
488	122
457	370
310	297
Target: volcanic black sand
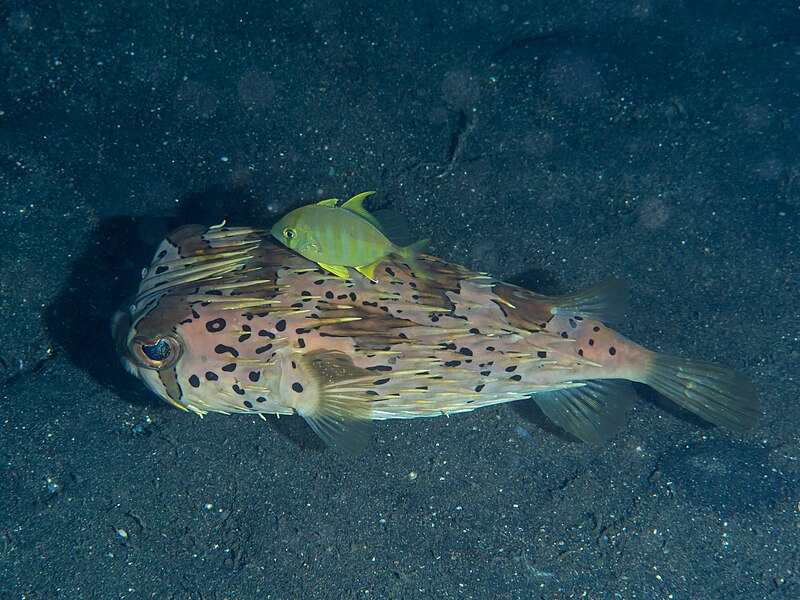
551	144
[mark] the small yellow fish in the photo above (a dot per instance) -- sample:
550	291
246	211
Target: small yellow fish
338	237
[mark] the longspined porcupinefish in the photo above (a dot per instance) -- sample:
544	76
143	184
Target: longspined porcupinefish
227	321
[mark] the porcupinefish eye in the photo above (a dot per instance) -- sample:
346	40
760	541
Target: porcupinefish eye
160	353
289	233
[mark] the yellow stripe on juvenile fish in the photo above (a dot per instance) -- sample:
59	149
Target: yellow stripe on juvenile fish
338	237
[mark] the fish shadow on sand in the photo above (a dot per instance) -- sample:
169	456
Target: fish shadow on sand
106	274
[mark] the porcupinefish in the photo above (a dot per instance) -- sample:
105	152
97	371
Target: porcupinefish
227	321
338	237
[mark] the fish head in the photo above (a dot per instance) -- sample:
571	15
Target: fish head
150	352
187	334
296	231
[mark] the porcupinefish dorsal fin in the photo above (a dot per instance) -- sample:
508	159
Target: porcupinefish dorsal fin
607	302
593	411
329	392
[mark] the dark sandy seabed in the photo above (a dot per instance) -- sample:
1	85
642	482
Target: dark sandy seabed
551	144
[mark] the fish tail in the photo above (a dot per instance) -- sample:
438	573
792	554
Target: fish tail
410	254
716	393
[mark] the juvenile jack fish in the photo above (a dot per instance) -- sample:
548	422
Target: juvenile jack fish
227	321
338	237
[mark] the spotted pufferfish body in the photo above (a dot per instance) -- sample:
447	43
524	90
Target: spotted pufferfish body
227	321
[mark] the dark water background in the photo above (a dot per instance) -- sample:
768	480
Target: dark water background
553	144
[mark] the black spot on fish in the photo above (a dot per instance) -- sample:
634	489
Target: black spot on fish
372	393
254	376
591	342
381	381
195	314
595	328
341	296
216	325
329	295
511	369
259	399
541	354
238	390
185	322
453	363
379	368
486	373
263	349
194	381
281	325
265	333
578	318
297	305
479	387
385	308
211	376
465	351
161	269
319	281
222	349
490	348
301	342
612	351
244	337
297	387
294	365
301	330
246	328
564	334
516	377
353	296
580	351
214	292
249	404
389	271
305	293
435	319
229	368
162	254
475	331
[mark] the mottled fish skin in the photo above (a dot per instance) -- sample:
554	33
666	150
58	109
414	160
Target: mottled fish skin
227	321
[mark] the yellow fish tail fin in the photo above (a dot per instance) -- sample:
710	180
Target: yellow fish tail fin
717	394
410	254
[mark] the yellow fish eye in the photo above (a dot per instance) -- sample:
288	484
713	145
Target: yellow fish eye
160	353
289	233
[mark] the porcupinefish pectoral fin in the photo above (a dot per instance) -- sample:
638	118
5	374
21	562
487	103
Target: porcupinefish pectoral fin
607	302
592	412
343	414
716	393
338	270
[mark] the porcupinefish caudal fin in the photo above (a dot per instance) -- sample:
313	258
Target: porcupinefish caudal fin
716	393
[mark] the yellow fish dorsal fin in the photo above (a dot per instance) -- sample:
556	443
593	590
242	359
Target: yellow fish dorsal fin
329	202
356	205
